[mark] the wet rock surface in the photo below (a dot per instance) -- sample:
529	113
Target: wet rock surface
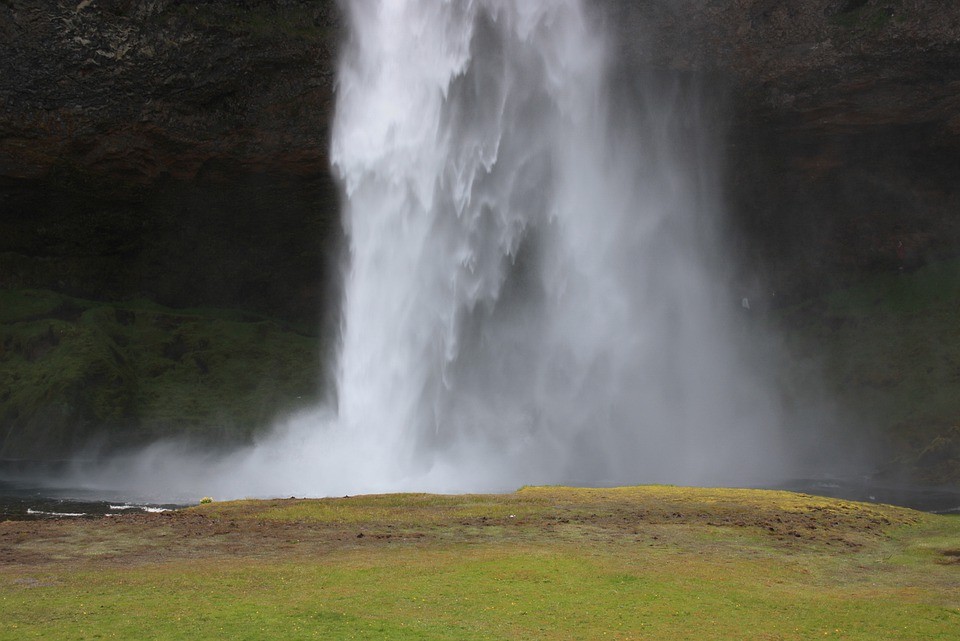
172	150
137	120
843	128
178	151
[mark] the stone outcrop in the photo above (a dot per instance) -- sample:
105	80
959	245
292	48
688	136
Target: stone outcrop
174	150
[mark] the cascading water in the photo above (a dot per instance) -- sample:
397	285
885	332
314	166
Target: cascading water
455	132
532	293
527	299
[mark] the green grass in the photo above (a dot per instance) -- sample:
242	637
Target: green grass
629	563
511	593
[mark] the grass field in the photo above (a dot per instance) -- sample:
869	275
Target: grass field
543	563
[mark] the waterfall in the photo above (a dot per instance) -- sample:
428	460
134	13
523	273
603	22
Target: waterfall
535	284
529	296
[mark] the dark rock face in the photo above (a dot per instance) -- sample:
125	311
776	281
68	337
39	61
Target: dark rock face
133	133
163	152
845	135
135	91
172	150
176	151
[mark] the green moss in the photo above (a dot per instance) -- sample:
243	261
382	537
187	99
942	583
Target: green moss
890	350
73	369
870	17
261	20
24	304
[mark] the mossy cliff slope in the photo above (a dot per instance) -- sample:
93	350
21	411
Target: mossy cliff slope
75	373
160	153
177	152
888	348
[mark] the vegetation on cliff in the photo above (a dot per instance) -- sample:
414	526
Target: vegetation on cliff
75	373
888	350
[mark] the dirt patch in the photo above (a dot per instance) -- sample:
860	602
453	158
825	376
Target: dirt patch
293	527
950	557
171	536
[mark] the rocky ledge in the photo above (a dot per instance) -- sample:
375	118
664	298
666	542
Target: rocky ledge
175	150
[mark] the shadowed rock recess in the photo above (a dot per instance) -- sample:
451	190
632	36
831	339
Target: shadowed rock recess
168	218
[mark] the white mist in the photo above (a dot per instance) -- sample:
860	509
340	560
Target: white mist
533	292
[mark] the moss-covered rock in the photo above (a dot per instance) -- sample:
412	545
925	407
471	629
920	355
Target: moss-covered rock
75	373
888	348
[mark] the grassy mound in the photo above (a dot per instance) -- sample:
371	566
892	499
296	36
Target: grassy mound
544	563
74	370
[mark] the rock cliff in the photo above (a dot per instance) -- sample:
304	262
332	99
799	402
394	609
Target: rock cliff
176	151
133	132
844	138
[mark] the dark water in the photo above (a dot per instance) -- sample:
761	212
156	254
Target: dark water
24	499
939	500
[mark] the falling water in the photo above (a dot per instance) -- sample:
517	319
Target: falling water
533	292
529	296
